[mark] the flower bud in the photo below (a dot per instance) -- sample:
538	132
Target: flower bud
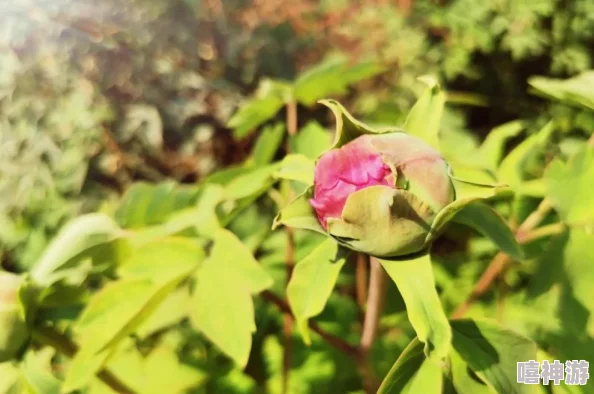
13	329
379	193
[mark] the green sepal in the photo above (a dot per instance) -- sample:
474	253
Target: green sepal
472	192
348	128
382	221
424	119
299	214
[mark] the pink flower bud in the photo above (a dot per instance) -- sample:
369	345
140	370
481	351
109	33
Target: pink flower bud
396	161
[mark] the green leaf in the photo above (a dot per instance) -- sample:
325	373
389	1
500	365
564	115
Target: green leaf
311	140
577	270
250	184
36	373
121	306
321	80
471	195
312	282
332	77
362	71
491	151
223	176
463	382
413	373
488	222
111	309
170	312
492	352
578	90
533	188
414	279
512	169
237	260
299	214
569	186
222	300
296	167
270	97
424	119
206	220
15	313
251	225
77	236
146	204
126	364
223	311
163	261
267	144
164	373
194	211
10	382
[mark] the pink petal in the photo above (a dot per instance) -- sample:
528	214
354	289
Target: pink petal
341	172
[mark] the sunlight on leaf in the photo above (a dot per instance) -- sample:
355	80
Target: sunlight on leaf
414	279
312	282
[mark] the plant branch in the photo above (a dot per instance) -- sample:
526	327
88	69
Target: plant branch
542	232
526	232
47	335
335	341
375	304
288	322
501	260
535	218
361	279
289	257
292	117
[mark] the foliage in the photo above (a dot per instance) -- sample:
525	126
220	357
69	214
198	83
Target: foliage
145	156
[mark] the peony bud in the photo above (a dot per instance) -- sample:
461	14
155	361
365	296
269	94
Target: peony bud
379	193
13	329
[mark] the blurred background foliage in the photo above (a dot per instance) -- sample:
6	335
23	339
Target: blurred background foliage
146	109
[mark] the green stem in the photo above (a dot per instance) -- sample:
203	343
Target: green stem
49	336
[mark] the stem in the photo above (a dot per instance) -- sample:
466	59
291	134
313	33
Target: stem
288	321
501	260
502	290
525	233
335	341
292	117
375	304
289	258
542	232
535	217
47	335
484	283
361	279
